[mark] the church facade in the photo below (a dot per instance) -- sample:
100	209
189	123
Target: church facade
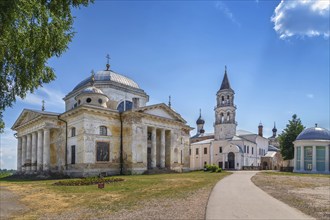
106	128
227	147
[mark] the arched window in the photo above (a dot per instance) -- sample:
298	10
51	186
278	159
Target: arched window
73	131
221	118
124	106
228	116
103	131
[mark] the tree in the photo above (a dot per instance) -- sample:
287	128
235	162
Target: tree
286	138
31	32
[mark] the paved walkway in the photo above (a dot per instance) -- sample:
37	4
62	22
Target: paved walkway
236	197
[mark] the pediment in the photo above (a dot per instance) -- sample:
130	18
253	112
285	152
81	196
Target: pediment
161	110
27	116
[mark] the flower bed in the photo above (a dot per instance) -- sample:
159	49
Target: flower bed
88	181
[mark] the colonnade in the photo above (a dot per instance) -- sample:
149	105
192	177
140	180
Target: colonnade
158	148
313	167
33	151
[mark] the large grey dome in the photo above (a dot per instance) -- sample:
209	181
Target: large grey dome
108	75
314	133
92	89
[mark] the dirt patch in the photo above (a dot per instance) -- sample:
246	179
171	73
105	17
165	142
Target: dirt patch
309	194
9	204
192	207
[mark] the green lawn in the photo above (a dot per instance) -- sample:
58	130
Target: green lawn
42	196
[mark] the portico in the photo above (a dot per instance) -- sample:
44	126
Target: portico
33	140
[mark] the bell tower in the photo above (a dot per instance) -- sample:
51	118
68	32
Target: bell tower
225	111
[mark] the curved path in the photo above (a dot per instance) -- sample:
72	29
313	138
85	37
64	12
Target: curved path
236	197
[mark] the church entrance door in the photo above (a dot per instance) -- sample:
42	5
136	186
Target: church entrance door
149	158
231	160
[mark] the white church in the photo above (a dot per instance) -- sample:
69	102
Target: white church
226	147
107	128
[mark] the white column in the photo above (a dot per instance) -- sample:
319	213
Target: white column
327	163
28	153
39	150
23	152
19	154
302	159
314	159
223	161
46	150
211	153
153	148
162	148
34	152
294	158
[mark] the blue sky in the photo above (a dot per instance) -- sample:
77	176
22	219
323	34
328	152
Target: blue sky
277	56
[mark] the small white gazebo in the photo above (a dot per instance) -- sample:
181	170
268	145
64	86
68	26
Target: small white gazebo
311	151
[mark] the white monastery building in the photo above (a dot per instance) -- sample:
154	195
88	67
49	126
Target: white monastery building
311	151
227	147
106	128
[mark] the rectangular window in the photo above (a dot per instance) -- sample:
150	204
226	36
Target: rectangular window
308	154
103	131
149	136
247	149
73	132
73	154
196	151
102	151
220	149
320	158
252	150
189	151
244	148
298	158
205	150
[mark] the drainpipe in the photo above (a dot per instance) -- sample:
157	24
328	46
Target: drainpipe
121	145
66	142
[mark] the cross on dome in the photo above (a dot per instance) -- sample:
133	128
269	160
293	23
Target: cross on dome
108	65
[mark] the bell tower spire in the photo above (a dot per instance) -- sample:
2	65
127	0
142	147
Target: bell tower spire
225	111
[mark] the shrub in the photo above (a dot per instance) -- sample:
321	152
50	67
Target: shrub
212	168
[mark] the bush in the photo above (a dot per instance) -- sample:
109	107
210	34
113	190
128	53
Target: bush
212	168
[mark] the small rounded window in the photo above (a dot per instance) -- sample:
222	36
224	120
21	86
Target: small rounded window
79	102
100	101
88	100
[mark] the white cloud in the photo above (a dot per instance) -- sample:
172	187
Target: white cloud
226	11
310	96
302	18
8	150
52	97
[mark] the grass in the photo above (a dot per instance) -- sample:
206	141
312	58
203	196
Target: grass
310	193
42	197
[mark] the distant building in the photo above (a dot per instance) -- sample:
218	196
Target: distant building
311	151
226	147
106	128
